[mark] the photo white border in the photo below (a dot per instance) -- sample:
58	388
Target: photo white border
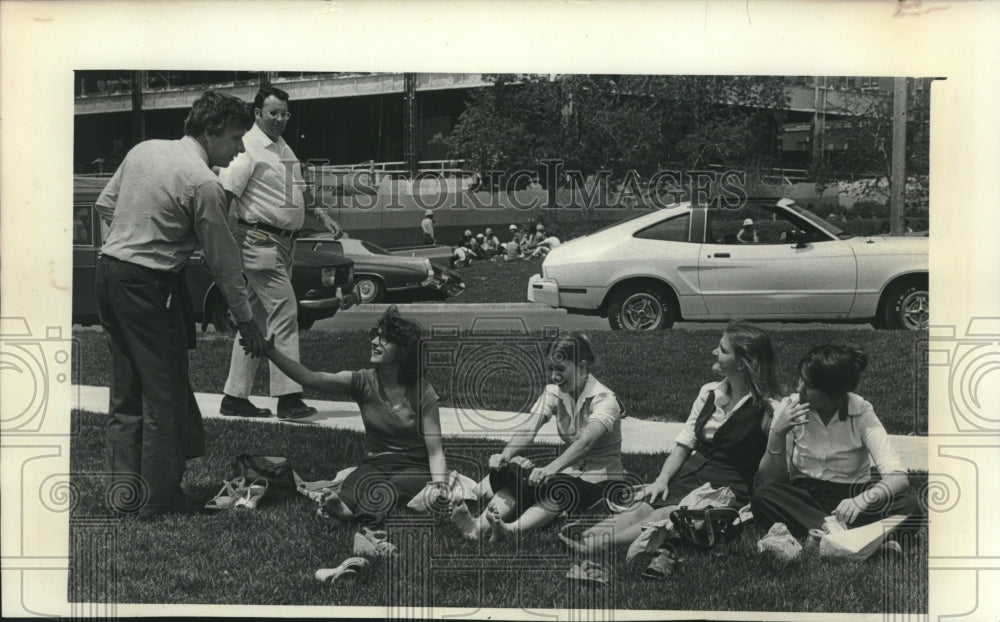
41	44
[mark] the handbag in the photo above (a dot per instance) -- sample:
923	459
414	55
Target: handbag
276	470
706	527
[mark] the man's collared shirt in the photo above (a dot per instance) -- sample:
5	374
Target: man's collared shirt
597	404
427	226
266	181
842	451
163	202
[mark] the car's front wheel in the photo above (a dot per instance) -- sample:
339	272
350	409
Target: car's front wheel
369	289
640	307
907	306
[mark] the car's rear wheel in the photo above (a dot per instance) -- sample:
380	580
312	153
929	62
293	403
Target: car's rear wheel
369	289
907	306
641	307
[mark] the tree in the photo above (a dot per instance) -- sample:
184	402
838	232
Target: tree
866	125
620	123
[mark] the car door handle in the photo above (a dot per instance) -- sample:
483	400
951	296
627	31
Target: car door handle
721	255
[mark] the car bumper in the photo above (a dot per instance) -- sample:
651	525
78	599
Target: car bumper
326	298
543	290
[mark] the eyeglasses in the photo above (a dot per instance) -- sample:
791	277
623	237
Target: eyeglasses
375	332
279	115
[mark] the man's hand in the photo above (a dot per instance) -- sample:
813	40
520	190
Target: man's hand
253	340
331	225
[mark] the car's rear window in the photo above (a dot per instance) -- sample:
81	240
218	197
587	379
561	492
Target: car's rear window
670	230
375	250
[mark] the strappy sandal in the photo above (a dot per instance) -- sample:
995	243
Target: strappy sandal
373	543
232	491
662	566
254	493
590	572
351	565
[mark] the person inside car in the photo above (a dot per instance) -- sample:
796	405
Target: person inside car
748	233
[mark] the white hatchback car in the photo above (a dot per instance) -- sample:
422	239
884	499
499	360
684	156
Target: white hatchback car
688	263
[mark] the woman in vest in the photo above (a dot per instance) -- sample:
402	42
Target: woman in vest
721	444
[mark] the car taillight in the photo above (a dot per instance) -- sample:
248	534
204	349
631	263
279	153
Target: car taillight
329	276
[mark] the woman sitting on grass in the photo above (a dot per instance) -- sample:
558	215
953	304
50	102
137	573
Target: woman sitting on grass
721	444
588	419
399	410
820	449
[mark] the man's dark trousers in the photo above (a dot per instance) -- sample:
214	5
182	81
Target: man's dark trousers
154	423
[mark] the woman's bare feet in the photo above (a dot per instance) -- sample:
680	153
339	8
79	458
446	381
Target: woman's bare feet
463	519
499	530
333	507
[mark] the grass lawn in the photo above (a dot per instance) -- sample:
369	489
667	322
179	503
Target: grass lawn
657	375
268	556
497	281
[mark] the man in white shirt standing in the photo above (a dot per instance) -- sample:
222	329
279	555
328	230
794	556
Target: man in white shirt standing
427	228
269	198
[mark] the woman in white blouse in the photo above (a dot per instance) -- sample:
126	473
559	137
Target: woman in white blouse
721	444
588	420
820	450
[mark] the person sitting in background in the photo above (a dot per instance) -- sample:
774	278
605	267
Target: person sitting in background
539	236
462	255
491	243
543	247
820	448
513	249
748	233
477	246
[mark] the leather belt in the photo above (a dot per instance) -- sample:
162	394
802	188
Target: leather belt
270	229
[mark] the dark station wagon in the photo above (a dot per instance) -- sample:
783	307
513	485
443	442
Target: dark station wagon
316	274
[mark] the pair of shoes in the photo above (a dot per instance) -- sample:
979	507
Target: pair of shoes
241	407
292	407
254	493
373	543
589	571
232	490
349	566
662	565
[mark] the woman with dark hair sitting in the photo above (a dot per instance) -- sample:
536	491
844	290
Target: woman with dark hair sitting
721	444
588	419
399	410
820	449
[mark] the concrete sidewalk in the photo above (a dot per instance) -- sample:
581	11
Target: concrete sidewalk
638	436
